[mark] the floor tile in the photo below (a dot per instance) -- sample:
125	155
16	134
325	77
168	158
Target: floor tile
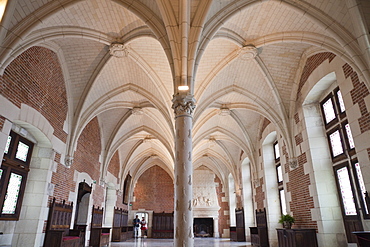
198	242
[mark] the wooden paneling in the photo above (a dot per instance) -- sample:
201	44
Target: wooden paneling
259	236
121	231
297	237
163	225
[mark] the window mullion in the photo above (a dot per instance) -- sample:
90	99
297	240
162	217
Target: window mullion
4	184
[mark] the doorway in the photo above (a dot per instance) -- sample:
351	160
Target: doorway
145	216
82	209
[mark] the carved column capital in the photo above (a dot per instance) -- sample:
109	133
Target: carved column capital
183	105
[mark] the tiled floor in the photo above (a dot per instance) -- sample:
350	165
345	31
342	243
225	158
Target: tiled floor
198	242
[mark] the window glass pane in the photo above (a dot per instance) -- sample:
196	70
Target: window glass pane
22	151
279	173
361	184
346	191
341	102
7	144
277	153
336	143
12	194
350	137
282	201
329	111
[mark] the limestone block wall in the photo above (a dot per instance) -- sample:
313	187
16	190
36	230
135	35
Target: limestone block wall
311	183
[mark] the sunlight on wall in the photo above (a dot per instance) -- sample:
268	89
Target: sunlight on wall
2	8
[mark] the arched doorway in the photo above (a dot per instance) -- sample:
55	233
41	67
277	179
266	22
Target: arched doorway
82	208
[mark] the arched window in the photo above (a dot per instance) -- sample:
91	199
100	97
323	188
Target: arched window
13	175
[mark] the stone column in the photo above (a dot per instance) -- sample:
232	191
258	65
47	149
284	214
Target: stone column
183	106
216	234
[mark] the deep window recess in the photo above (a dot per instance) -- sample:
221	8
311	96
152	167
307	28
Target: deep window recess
279	174
347	170
342	146
13	175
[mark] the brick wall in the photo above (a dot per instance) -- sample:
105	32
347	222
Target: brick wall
119	202
224	207
260	196
358	94
98	195
86	159
2	120
114	165
265	123
86	156
311	64
301	203
114	169
154	190
62	180
35	78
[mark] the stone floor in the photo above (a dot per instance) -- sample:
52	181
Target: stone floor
198	242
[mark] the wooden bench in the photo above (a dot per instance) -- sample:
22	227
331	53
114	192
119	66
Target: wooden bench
99	236
363	238
259	236
58	233
121	231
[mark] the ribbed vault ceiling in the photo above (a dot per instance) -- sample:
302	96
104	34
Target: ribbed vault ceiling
132	95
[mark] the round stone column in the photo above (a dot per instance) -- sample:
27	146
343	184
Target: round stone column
183	106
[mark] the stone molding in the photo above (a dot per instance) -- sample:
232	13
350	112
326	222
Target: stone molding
293	163
68	161
118	50
248	52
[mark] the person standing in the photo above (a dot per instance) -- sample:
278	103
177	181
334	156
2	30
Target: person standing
136	224
143	228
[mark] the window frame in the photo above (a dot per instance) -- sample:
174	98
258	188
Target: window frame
341	156
354	194
351	151
335	120
341	115
274	145
358	190
280	184
351	222
10	164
